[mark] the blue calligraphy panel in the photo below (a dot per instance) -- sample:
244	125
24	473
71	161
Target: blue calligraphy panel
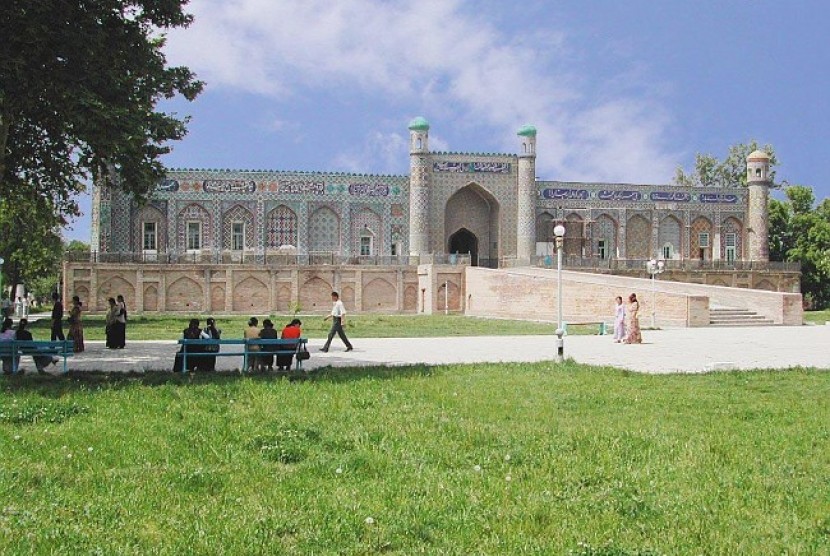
299	187
492	167
724	198
448	166
611	195
671	196
229	186
472	167
564	194
168	185
369	189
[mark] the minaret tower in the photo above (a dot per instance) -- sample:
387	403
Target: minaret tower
420	170
758	182
526	217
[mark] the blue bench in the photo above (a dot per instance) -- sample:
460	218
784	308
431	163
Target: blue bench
603	326
242	347
15	349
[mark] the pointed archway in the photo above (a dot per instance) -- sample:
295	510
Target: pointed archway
471	224
464	241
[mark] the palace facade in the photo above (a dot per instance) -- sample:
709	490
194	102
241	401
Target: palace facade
481	209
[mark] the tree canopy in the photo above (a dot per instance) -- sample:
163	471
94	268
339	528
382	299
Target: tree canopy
800	231
79	85
30	241
709	171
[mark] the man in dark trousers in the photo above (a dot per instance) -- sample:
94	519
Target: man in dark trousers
57	318
338	318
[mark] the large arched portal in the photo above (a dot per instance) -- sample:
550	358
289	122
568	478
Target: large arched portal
471	225
465	241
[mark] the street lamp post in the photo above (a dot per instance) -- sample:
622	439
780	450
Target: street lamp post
559	232
654	267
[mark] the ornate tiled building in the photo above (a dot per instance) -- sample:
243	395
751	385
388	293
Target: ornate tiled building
488	205
477	208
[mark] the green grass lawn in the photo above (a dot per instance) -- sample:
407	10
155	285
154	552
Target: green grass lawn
818	317
169	327
468	459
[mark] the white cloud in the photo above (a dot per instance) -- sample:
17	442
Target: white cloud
383	151
431	55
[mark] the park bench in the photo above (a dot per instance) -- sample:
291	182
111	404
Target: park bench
603	326
15	349
242	348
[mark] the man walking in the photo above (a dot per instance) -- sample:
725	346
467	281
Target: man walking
338	316
57	318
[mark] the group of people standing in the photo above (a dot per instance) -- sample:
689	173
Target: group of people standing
116	323
627	321
76	327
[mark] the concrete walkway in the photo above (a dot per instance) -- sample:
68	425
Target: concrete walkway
691	350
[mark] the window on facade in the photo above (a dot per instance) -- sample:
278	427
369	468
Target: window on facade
194	236
731	247
394	249
237	236
149	238
602	251
365	245
703	239
668	251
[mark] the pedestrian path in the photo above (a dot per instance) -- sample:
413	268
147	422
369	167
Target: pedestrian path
686	350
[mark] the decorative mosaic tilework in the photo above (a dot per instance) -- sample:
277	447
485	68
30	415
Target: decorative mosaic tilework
150	213
757	212
732	225
606	228
574	235
638	237
415	205
701	224
120	221
367	221
194	213
281	227
237	214
669	233
544	227
526	209
324	230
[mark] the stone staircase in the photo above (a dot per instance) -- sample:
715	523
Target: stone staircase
725	316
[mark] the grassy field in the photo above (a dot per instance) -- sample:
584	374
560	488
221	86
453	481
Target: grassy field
472	459
169	327
818	317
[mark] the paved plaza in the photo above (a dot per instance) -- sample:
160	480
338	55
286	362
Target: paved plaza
685	350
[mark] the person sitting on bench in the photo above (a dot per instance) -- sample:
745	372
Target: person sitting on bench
192	332
291	332
41	361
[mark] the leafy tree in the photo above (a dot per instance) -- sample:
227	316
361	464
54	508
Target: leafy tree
79	85
30	239
709	171
800	232
76	246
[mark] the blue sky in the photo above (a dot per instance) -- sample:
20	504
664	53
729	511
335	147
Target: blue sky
620	91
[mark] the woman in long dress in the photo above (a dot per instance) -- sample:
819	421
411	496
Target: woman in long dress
634	335
112	315
619	320
76	327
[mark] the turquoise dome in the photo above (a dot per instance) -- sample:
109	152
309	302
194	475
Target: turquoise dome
527	130
419	124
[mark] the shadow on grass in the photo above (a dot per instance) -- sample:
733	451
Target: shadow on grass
91	381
